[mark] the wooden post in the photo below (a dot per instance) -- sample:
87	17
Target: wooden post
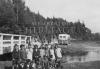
12	43
1	44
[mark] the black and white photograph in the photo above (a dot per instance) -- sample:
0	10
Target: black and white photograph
49	34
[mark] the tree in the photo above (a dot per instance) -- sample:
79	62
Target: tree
7	15
15	17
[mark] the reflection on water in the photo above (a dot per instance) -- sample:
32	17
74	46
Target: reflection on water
91	56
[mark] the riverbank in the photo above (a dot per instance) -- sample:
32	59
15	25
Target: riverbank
85	43
85	65
79	48
74	51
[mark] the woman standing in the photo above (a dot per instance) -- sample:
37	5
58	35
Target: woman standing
36	53
42	52
15	56
29	53
52	54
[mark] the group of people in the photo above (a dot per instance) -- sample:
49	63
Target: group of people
37	57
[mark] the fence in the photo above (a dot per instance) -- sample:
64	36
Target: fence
7	41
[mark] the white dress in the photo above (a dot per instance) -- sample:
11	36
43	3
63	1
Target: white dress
52	53
29	53
42	52
58	53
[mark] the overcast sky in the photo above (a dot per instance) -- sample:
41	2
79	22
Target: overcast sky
71	10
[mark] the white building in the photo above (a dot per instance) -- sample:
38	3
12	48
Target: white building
54	41
64	39
7	41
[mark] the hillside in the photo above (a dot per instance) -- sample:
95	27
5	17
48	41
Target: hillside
17	18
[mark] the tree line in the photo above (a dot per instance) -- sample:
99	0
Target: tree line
16	18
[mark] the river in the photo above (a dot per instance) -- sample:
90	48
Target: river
93	55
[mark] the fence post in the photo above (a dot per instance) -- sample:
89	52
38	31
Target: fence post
1	44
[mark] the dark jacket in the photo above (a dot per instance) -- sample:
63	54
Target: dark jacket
36	53
15	54
23	54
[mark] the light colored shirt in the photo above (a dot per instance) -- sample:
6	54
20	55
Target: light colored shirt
42	52
52	53
58	53
29	53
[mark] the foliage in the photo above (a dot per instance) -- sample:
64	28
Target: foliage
17	18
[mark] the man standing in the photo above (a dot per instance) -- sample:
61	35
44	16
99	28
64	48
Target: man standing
23	53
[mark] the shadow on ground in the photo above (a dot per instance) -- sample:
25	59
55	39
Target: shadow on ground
6	57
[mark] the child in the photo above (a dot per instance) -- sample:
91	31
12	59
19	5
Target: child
33	65
39	65
45	62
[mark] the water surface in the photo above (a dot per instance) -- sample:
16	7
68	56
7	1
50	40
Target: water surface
93	55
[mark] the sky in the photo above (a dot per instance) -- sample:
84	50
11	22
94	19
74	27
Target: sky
87	11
